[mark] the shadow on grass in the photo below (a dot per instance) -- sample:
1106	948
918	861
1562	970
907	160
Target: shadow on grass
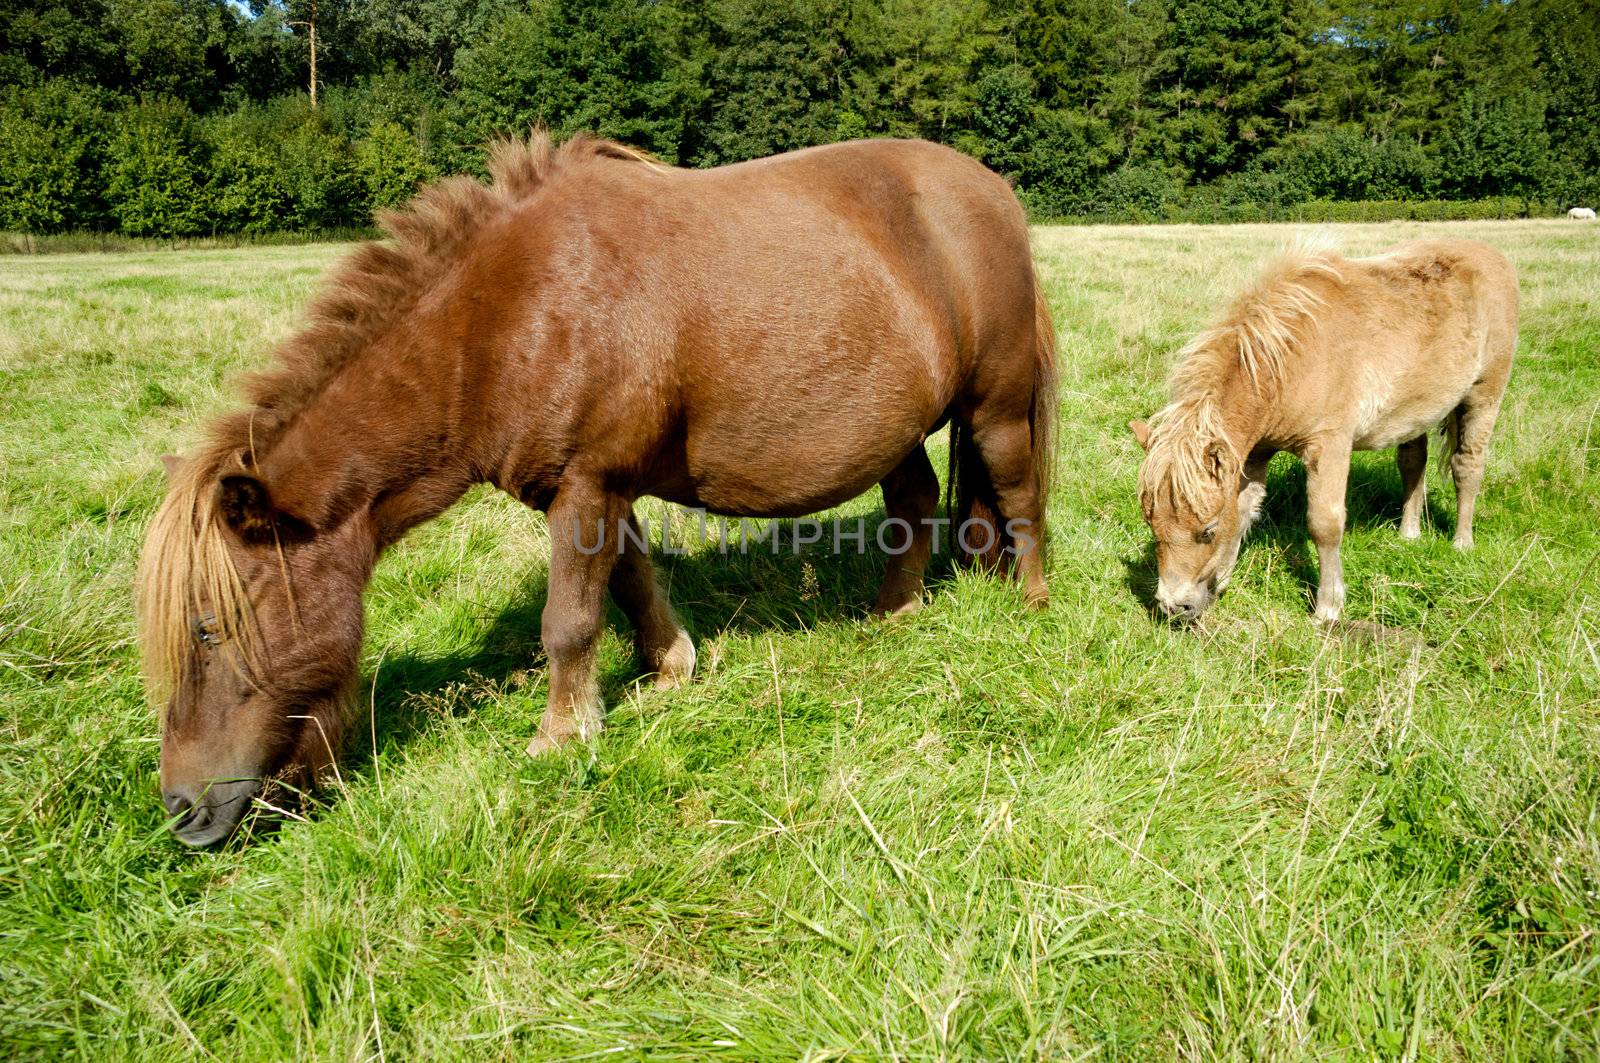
714	590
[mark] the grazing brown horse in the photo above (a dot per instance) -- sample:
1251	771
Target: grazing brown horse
766	339
1321	356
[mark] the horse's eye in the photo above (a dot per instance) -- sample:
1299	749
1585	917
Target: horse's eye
1208	533
205	630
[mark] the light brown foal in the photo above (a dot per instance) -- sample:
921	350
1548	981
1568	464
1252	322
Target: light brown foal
1321	356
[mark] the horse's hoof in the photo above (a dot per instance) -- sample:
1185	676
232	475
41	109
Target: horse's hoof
1328	614
543	744
1410	534
677	665
568	731
1464	545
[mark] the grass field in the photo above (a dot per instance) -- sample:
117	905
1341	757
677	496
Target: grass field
974	833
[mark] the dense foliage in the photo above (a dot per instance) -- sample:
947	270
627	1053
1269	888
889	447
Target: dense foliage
172	117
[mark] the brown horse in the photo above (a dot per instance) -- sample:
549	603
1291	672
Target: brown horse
1321	356
766	339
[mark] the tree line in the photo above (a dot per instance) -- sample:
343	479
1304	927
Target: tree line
174	117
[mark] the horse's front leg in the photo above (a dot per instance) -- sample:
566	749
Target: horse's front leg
1327	474
585	529
1252	493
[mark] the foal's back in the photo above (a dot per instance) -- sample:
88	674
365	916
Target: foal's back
1404	337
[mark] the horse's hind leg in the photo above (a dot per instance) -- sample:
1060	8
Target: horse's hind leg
1475	419
1006	446
910	494
663	645
1412	457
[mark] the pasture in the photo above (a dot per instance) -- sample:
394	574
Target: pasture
977	832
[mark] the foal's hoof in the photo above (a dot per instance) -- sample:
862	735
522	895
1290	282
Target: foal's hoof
1462	544
1328	614
883	611
677	665
1410	534
544	744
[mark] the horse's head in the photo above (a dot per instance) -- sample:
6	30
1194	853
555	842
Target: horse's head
1189	490
250	625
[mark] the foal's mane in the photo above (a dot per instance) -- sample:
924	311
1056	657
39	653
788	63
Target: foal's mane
1255	338
186	567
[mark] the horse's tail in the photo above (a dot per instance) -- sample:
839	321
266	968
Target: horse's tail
1042	414
971	495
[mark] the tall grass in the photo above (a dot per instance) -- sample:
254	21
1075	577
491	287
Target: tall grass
974	833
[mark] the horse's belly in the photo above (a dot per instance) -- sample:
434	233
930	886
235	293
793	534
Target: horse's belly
1391	413
789	473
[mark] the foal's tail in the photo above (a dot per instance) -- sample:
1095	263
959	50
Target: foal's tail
1452	439
971	494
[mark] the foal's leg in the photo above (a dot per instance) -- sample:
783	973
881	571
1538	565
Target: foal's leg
1327	473
584	527
1252	494
663	645
910	493
1475	419
1007	450
1412	457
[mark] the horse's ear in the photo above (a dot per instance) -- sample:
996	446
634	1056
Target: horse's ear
174	466
1141	432
246	506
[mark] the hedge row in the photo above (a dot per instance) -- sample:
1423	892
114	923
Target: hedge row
155	169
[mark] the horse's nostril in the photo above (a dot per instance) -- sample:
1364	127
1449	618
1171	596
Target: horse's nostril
176	803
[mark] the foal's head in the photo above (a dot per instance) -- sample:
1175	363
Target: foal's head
1189	490
250	623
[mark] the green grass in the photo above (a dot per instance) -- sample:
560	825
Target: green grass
976	833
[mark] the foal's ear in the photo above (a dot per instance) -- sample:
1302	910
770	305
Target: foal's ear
246	506
1141	432
1217	455
174	466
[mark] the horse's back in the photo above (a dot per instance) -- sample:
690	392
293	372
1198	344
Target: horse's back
831	302
1436	317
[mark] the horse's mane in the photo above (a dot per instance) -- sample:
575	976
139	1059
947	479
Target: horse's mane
367	293
1254	337
186	565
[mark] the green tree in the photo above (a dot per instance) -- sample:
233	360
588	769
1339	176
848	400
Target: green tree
776	80
1495	147
572	65
247	189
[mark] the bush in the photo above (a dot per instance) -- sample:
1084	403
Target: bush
319	171
1342	164
1496	147
153	183
247	191
1064	159
52	149
1136	192
390	166
1004	118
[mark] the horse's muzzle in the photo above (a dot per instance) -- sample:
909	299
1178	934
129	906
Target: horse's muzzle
207	814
